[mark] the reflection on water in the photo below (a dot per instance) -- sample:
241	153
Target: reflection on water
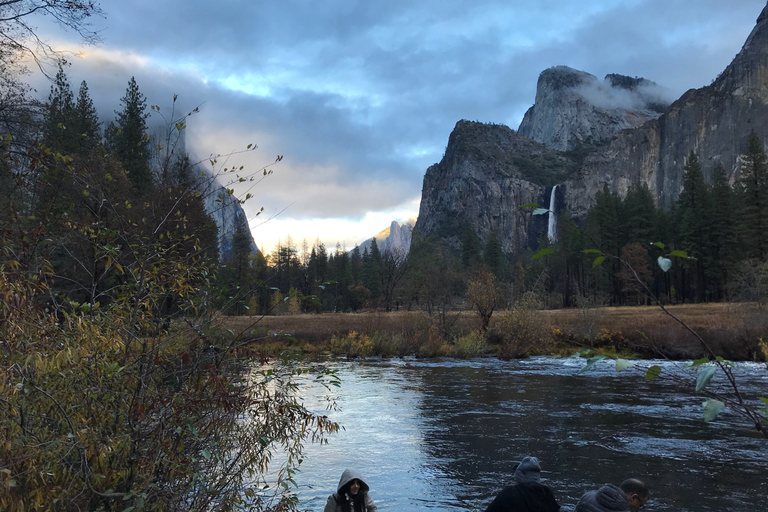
444	435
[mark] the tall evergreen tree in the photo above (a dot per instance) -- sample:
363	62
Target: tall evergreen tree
754	192
59	132
86	121
724	244
694	214
372	271
604	229
494	258
639	214
470	247
242	275
128	139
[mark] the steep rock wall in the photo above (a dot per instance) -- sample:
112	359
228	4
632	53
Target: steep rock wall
480	181
573	107
713	121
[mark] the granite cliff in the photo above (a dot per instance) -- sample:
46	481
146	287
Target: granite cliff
397	238
573	107
222	207
713	121
225	210
489	170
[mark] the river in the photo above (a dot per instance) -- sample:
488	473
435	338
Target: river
443	435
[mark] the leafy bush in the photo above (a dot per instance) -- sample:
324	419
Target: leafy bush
118	391
469	345
522	330
352	344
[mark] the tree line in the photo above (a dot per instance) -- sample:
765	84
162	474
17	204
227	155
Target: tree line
721	225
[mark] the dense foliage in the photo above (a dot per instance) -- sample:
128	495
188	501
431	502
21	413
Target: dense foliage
118	391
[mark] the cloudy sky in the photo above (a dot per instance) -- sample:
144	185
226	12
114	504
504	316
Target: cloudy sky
361	96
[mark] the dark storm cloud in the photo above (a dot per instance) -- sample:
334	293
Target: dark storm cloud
356	93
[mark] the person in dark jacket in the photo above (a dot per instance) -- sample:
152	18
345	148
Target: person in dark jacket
632	495
351	494
528	494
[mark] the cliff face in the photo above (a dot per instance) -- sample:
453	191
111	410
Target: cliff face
487	172
396	238
574	107
226	212
714	122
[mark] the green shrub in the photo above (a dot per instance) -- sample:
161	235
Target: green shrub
352	344
522	331
469	345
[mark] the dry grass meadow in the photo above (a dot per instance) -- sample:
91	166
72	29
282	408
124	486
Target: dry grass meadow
733	330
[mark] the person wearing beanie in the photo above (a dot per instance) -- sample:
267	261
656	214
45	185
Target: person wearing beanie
632	495
351	494
528	494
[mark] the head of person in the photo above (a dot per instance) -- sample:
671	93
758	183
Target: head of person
352	487
637	493
528	470
352	491
351	483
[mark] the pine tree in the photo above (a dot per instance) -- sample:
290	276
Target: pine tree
639	214
470	247
754	192
694	214
724	244
128	139
86	121
242	275
372	270
493	256
605	230
58	123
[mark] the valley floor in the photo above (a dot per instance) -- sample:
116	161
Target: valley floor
734	330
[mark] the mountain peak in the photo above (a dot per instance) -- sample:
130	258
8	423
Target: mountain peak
573	107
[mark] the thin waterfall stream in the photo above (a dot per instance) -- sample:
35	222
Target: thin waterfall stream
552	224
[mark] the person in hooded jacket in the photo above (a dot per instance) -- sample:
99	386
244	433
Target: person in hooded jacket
630	497
351	494
528	494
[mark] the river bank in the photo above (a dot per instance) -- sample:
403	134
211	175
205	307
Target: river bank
735	331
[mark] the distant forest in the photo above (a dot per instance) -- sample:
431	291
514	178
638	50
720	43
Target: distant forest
721	227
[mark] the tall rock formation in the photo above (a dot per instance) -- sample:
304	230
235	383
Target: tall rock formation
225	210
396	238
573	107
713	122
487	172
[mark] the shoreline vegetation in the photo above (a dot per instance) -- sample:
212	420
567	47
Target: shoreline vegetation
735	331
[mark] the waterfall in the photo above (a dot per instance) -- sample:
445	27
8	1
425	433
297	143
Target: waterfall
552	227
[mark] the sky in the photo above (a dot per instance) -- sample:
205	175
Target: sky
359	97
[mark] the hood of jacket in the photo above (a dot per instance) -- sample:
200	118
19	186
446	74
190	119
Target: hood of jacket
347	476
609	498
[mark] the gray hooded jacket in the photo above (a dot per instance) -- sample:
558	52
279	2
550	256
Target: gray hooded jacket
335	500
609	498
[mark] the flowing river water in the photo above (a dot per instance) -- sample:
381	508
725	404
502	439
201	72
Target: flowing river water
443	435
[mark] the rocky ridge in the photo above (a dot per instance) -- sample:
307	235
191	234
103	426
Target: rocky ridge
573	107
488	171
713	121
395	238
226	212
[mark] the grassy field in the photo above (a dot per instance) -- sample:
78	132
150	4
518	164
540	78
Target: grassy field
733	330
